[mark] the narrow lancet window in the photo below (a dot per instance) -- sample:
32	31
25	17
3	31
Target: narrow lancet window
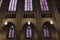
12	5
11	32
28	5
44	5
46	32
28	32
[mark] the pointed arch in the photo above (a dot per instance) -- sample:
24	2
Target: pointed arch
10	29
28	30
47	29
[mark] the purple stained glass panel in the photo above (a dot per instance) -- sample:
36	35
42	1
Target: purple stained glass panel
44	5
12	5
29	32
46	32
28	5
11	33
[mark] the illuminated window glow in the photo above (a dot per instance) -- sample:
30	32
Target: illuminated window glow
29	32
46	32
12	5
44	5
11	32
28	5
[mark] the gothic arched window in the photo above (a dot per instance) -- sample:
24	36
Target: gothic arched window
12	5
28	32
28	5
44	5
11	32
46	32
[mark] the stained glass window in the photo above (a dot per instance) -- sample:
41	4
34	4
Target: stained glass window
44	5
28	5
1	2
12	5
46	32
11	32
28	32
